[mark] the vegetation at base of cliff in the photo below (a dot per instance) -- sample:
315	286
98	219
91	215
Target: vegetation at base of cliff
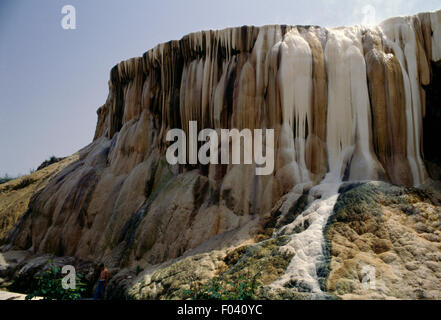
221	289
49	286
240	273
247	270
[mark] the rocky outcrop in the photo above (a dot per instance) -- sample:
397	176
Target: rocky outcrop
393	230
346	104
263	262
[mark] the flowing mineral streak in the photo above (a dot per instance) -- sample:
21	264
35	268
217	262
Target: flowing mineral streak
308	246
346	104
348	131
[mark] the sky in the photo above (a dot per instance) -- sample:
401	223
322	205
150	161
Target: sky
53	80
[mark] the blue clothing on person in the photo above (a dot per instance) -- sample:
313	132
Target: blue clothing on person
99	293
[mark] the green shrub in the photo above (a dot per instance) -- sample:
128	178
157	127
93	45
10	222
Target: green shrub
48	162
49	286
24	183
221	289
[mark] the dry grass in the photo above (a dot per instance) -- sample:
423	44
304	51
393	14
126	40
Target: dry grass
15	194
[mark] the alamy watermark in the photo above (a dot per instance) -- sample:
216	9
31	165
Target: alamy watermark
208	153
69	20
69	281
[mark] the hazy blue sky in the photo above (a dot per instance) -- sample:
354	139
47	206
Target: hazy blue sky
52	80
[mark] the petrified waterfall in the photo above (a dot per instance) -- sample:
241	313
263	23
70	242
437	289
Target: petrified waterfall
346	104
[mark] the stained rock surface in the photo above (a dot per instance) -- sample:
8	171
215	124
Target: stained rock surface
346	104
394	230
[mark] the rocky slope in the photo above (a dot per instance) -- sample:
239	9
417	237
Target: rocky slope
15	195
347	104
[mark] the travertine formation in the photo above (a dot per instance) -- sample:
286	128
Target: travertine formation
346	104
396	232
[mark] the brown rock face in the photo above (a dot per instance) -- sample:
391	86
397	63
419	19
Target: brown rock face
387	93
347	102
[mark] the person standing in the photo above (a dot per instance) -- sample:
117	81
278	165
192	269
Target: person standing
102	283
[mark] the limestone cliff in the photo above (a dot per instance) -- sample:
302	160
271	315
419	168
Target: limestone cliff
346	104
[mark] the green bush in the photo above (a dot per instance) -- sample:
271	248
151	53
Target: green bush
49	286
221	289
24	183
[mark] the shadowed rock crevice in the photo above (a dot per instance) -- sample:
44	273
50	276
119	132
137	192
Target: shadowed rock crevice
432	120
